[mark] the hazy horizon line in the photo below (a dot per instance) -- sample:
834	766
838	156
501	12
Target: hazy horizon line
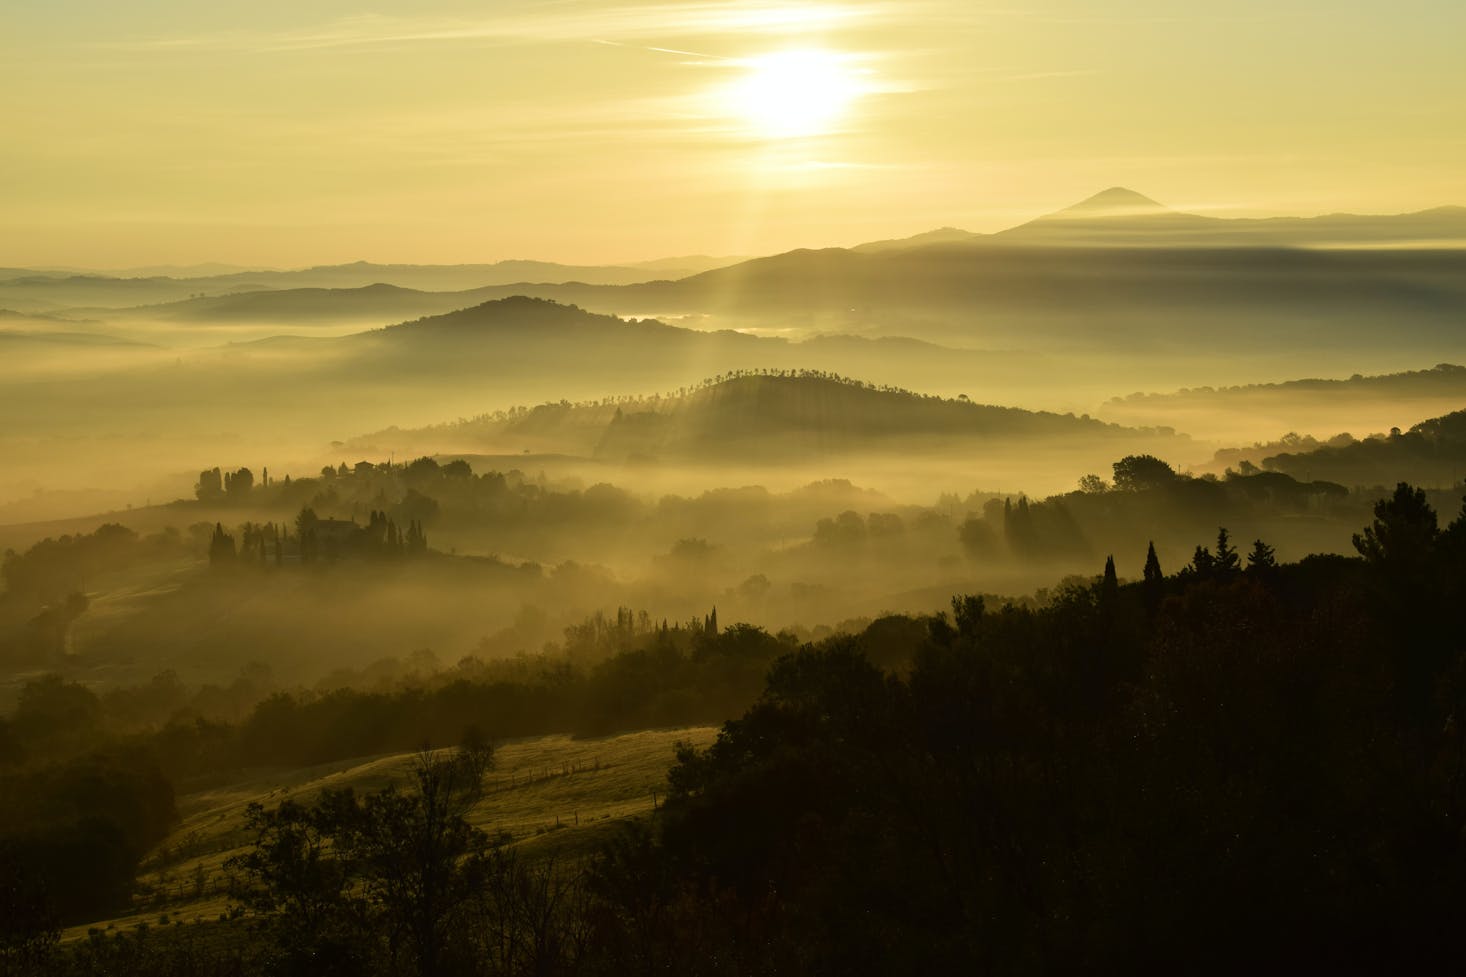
228	267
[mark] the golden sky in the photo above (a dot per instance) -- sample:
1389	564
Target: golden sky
293	133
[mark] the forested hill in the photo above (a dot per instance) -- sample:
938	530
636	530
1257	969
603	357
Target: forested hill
765	414
1431	453
1317	406
1443	379
826	411
520	317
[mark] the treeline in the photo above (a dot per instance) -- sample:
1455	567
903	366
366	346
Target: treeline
608	679
416	493
1147	498
671	400
1432	452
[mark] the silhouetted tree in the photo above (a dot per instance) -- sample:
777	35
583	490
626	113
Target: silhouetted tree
221	547
210	486
1403	533
1152	573
1262	558
967	611
1018	529
1110	584
977	538
1226	563
306	522
392	873
1135	472
239	484
1203	563
1154	581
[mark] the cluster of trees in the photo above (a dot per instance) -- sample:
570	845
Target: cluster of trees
56	566
610	676
1147	497
851	527
316	539
670	676
215	486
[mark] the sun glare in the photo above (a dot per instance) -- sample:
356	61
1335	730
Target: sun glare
789	94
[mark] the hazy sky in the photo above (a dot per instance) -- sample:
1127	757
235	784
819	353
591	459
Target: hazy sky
312	131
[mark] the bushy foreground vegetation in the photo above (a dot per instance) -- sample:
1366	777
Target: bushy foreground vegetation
1240	765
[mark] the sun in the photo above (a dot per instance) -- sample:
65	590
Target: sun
792	94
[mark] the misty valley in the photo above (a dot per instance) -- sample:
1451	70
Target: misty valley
1084	596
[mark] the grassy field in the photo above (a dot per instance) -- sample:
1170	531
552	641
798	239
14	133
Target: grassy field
548	793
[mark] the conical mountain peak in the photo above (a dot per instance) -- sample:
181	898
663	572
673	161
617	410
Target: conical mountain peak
1115	202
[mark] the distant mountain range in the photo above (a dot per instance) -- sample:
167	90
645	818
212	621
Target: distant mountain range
1124	218
43	290
518	339
1115	218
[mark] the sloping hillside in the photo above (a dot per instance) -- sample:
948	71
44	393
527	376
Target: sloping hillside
782	415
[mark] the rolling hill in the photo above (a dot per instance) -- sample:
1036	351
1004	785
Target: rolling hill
1243	300
1430	454
774	416
1317	406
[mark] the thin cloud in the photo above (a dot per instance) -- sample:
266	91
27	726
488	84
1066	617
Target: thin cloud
549	23
1044	75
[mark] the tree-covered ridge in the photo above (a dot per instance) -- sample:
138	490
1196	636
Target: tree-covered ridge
750	413
1432	453
1441	378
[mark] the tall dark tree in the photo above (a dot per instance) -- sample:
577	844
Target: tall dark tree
1262	558
1403	533
1154	580
210	486
1203	564
1226	562
239	484
1110	585
1152	572
221	547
